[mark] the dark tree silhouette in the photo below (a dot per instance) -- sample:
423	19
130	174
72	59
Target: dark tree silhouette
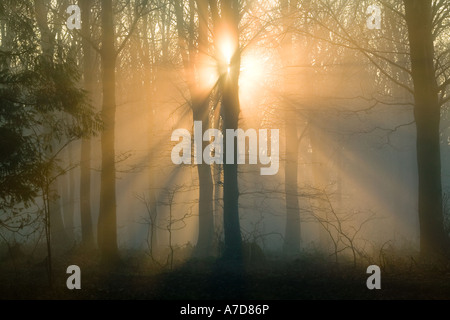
230	110
427	114
292	234
194	59
107	220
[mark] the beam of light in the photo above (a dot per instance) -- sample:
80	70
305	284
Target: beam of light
207	73
255	80
227	50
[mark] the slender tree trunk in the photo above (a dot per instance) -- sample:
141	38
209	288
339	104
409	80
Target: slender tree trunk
427	116
201	113
47	38
292	230
149	51
68	181
205	204
217	177
218	193
292	235
87	232
58	233
319	175
107	224
230	113
199	92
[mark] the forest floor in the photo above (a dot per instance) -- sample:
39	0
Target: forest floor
138	278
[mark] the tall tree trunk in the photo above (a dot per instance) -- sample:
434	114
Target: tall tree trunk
201	113
217	170
199	92
68	181
292	234
427	116
47	38
230	113
147	53
205	205
107	224
87	232
292	231
319	176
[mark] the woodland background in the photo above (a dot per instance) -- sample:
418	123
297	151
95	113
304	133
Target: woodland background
86	177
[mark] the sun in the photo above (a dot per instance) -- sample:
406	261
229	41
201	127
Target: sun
255	73
227	49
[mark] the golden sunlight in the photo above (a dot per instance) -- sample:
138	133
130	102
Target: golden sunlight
207	73
227	49
255	81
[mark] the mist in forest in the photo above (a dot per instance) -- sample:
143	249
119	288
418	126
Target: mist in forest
92	98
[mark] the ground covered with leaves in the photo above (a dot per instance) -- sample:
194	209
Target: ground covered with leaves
137	277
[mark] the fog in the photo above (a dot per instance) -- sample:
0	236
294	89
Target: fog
103	115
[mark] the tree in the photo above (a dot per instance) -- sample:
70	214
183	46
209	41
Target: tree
42	111
292	235
107	220
413	66
230	109
148	53
194	61
427	114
